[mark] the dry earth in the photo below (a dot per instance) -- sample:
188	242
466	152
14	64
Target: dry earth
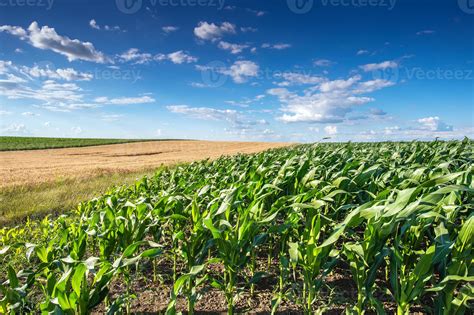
39	166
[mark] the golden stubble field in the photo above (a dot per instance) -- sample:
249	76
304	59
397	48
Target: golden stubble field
19	168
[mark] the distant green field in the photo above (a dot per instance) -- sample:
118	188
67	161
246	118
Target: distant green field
32	143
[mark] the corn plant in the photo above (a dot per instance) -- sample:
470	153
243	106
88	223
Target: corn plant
397	216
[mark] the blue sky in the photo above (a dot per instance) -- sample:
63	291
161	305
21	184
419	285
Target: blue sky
266	70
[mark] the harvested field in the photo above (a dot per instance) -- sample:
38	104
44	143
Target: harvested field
41	166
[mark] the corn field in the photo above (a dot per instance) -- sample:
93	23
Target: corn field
396	219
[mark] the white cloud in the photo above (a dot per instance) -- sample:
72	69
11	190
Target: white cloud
246	102
46	38
362	52
93	24
199	85
15	31
51	93
257	12
29	114
373	85
14	129
124	100
425	32
295	78
330	130
377	112
170	29
328	102
239	123
379	66
76	130
434	124
5	113
67	74
391	130
204	113
233	48
279	46
242	70
212	32
336	85
137	57
248	29
323	63
134	55
111	117
179	57
47	124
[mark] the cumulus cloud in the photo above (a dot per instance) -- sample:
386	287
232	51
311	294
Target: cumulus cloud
15	31
11	70
50	92
136	57
14	129
296	78
179	57
233	48
242	70
46	38
67	74
379	66
330	86
327	102
239	124
434	124
330	130
94	25
212	32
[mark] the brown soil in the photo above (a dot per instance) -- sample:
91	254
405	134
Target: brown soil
39	166
152	297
